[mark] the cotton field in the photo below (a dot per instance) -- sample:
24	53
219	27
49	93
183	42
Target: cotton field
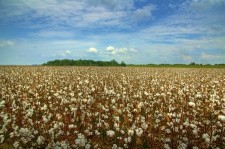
112	107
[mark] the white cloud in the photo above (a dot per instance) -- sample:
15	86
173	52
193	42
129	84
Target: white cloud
67	51
6	43
187	58
205	3
111	4
144	12
58	15
113	50
211	56
92	50
50	33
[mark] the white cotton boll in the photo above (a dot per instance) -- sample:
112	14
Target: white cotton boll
16	144
87	146
139	131
191	104
117	118
114	146
81	140
12	134
195	132
140	105
205	136
198	95
182	146
2	138
193	126
97	133
56	126
168	131
86	81
130	132
110	133
56	94
72	94
73	99
207	140
122	132
144	126
113	101
44	107
30	113
2	104
223	99
222	118
71	126
166	146
116	125
40	140
146	94
99	124
44	119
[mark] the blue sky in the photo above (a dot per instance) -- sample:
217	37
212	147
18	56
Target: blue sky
135	31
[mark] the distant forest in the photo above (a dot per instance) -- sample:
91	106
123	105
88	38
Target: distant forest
68	62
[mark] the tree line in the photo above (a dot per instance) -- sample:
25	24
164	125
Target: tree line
68	62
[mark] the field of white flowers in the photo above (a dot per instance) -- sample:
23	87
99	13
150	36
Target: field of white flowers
112	107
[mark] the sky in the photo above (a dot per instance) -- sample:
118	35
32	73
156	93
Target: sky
133	31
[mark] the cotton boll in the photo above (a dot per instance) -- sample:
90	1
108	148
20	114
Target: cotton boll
16	144
206	137
2	138
116	126
122	132
2	104
166	146
139	131
221	118
191	104
87	146
114	146
195	132
144	126
81	140
130	132
110	133
40	140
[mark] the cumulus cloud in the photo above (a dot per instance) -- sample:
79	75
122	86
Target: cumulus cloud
92	50
113	50
6	43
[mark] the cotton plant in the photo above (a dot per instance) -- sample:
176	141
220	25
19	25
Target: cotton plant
112	107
